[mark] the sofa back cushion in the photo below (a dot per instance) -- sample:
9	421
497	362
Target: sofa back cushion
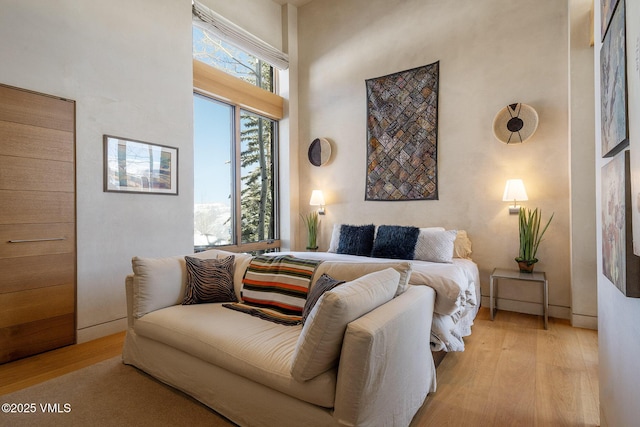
161	282
318	347
343	270
157	283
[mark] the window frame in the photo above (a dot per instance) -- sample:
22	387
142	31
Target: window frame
222	87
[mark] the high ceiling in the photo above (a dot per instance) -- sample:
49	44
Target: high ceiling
297	3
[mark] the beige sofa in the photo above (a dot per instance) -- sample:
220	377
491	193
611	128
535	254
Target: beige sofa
252	371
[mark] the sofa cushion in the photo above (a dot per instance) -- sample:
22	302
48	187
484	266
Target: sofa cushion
209	280
435	245
318	347
323	284
160	282
157	283
347	271
395	242
244	345
356	239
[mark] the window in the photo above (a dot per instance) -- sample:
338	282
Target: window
224	56
235	149
213	175
226	213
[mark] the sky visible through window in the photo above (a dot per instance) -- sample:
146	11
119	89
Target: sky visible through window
212	138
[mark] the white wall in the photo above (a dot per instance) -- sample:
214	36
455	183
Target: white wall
127	64
492	53
584	291
618	317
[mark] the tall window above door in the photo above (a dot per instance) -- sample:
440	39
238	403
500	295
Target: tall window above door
235	148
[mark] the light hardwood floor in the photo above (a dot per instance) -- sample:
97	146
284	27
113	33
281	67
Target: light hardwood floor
512	373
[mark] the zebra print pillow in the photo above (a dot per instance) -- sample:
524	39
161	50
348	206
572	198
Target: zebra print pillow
209	280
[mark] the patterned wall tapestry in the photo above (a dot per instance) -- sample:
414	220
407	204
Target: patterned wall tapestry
402	135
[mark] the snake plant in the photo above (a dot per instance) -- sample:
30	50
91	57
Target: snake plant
311	222
530	234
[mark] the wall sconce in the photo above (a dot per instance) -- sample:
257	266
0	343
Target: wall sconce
317	199
514	190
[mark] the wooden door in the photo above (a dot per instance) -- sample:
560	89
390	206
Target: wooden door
37	223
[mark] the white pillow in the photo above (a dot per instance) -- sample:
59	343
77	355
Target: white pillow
335	238
432	229
318	347
435	245
462	245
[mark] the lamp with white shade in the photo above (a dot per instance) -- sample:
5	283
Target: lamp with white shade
514	191
317	199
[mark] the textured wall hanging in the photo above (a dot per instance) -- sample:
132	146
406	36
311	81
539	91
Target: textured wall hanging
402	135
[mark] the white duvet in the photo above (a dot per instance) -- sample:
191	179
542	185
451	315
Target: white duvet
457	286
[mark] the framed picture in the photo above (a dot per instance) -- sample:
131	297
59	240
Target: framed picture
613	85
619	264
132	166
606	12
633	90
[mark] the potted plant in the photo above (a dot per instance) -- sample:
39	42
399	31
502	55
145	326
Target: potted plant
530	237
311	222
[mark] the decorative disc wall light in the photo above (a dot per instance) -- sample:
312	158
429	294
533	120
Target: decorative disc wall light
515	123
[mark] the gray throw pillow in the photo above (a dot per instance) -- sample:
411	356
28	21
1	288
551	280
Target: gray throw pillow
323	284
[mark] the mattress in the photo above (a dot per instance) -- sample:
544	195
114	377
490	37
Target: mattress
457	287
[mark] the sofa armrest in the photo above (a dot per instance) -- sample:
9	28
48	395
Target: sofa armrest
386	368
128	288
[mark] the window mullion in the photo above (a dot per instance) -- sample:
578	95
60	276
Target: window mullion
237	177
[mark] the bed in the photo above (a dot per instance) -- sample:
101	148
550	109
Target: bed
450	272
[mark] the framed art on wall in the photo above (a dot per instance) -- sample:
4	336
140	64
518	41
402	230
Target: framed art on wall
619	264
132	166
613	85
606	12
633	99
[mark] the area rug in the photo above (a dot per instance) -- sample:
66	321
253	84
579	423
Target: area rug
105	394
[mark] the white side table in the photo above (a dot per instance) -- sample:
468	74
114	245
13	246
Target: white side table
538	276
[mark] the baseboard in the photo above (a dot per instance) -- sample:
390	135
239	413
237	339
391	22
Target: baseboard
583	321
93	332
557	311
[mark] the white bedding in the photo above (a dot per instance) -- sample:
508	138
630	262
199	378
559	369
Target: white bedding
457	286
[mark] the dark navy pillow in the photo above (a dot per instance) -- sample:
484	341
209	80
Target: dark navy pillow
397	242
356	239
